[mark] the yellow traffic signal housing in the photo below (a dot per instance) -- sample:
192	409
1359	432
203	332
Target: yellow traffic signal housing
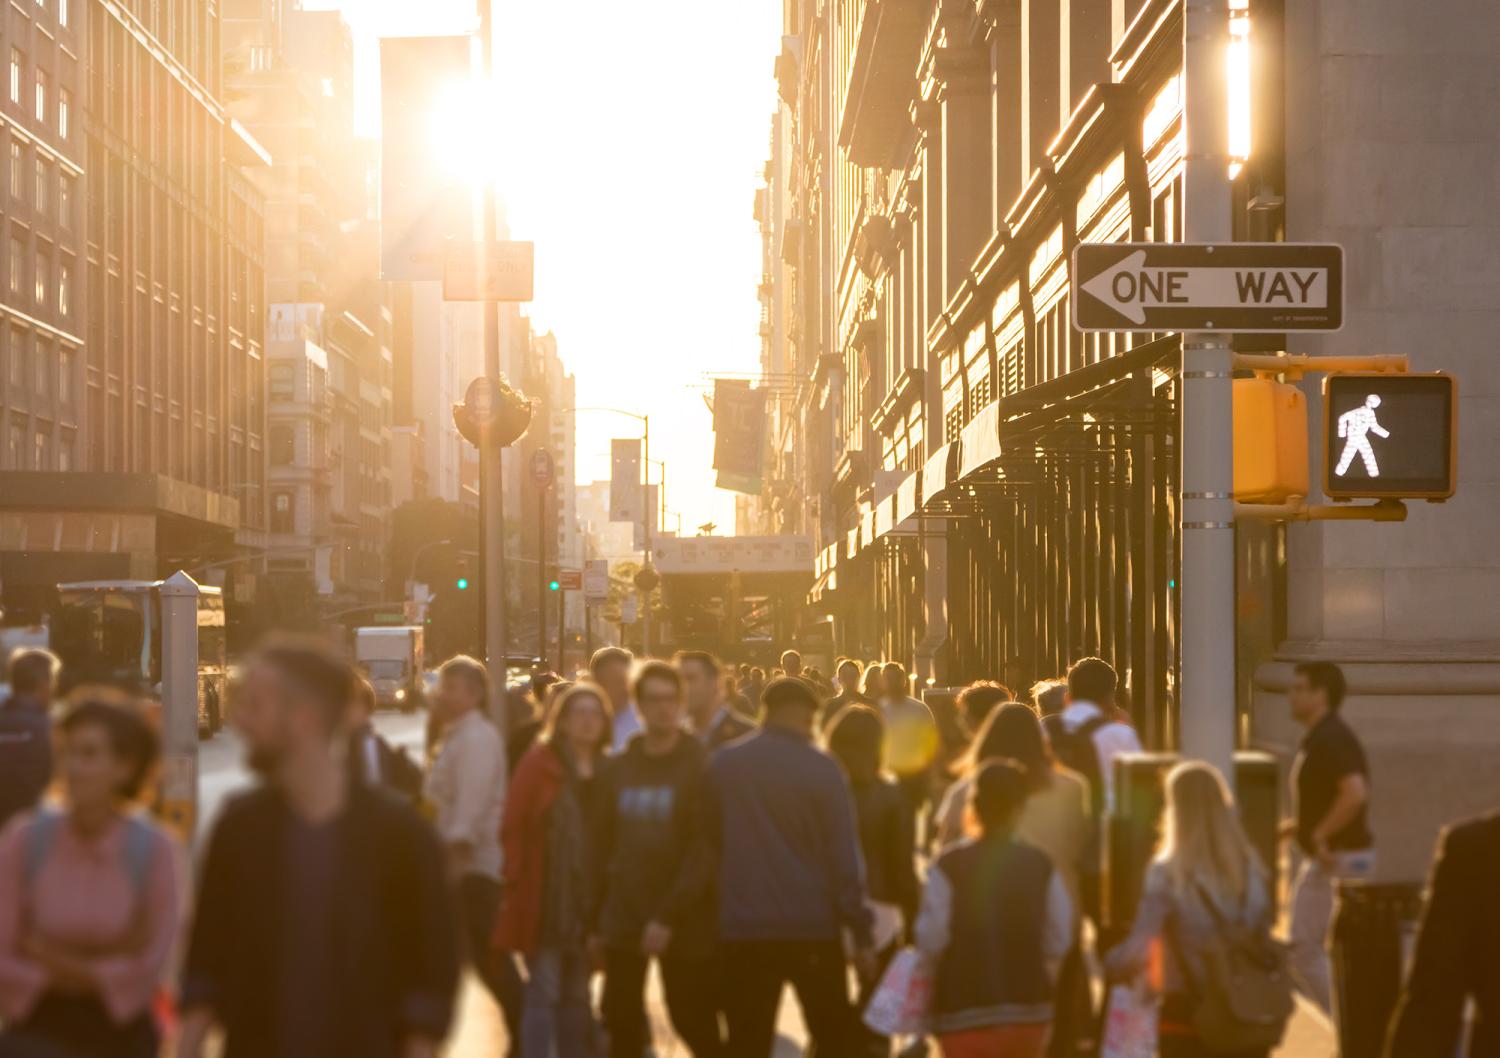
1270	441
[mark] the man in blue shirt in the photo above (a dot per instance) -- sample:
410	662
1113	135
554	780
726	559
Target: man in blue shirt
790	877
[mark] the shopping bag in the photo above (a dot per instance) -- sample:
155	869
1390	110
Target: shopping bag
902	1002
1129	1023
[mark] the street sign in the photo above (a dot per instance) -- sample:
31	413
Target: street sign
509	275
542	468
1390	436
1163	286
596	579
570	579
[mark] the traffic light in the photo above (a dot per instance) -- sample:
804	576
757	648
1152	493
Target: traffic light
553	585
462	584
1270	441
1390	436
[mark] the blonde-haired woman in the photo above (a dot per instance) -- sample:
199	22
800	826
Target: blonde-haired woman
1206	878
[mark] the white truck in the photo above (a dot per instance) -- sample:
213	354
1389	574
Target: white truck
391	657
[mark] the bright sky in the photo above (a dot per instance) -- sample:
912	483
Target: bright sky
632	138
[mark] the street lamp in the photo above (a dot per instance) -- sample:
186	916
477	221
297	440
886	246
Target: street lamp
411	575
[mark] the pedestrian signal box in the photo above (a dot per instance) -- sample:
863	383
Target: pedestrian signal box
1270	441
1389	436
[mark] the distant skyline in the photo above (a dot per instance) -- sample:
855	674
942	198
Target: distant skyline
637	147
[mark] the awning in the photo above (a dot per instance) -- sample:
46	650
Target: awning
980	440
935	472
908	496
885	516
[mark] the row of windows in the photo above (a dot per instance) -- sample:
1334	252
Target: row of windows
41	188
43	291
35	367
41	98
32	448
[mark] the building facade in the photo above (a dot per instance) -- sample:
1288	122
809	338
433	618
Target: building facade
995	493
133	432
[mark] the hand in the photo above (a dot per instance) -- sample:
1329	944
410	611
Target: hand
64	971
656	938
1325	857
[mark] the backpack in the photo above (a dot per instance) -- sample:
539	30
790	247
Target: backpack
1244	1000
136	850
1076	750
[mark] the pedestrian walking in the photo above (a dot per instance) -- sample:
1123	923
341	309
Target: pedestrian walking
709	714
609	668
911	738
789	876
996	922
374	760
654	875
1050	697
466	787
791	663
1204	892
1087	736
872	683
544	916
1330	782
753	686
887	841
1457	956
26	731
848	674
324	924
90	899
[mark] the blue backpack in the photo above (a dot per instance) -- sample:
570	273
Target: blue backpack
136	850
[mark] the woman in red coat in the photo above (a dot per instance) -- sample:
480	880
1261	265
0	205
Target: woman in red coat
544	916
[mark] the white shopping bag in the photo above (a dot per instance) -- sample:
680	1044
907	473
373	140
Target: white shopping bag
902	1004
1129	1023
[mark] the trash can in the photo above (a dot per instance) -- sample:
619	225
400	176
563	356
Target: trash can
1372	931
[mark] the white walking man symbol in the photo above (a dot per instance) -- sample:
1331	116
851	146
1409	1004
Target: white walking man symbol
1355	427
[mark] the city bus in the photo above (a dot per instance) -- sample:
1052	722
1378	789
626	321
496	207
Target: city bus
110	631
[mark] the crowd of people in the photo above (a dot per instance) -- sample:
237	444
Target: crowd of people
742	830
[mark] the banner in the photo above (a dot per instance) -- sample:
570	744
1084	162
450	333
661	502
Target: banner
625	495
739	435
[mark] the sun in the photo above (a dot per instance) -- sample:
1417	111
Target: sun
465	131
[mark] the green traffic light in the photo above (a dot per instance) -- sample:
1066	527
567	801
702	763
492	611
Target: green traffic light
553	585
463	583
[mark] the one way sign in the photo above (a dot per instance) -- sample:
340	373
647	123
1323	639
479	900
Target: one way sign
1154	286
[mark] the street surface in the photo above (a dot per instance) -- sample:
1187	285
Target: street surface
478	1032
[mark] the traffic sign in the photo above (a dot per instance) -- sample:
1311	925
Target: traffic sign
1390	436
1163	286
596	579
570	579
509	275
542	468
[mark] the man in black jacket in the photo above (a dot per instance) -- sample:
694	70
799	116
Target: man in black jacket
372	759
1458	950
26	731
323	925
653	876
709	715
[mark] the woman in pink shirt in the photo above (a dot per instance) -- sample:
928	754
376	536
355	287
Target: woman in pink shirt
89	898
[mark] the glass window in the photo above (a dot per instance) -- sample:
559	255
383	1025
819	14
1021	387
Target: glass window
282	515
65	452
39	198
17	60
17	357
43	267
39	451
62	12
41	95
65	200
17	263
14	447
17	171
41	383
64	289
64	112
65	376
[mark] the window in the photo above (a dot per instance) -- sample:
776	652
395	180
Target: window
283	382
41	95
64	112
17	263
17	60
65	200
43	267
62	12
65	452
17	169
283	516
14	447
39	199
42	365
65	376
283	445
64	289
39	456
17	356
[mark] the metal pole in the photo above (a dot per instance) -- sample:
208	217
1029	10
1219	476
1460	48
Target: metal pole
179	702
562	610
1207	685
588	629
541	574
491	458
645	494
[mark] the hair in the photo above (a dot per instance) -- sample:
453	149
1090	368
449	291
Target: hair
559	705
364	693
894	666
1324	676
978	700
839	666
655	670
1012	732
1050	696
605	655
315	672
130	738
788	691
700	657
31	670
469	669
1092	680
998	795
540	682
870	684
790	655
856	738
1202	840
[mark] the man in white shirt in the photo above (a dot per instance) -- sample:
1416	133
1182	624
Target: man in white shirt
467	789
610	669
1090	713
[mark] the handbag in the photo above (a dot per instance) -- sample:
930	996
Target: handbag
902	1003
1130	1023
1244	1001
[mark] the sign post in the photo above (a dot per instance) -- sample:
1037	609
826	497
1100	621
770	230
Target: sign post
179	702
542	470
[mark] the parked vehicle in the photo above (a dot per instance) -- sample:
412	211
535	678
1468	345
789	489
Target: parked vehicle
391	657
